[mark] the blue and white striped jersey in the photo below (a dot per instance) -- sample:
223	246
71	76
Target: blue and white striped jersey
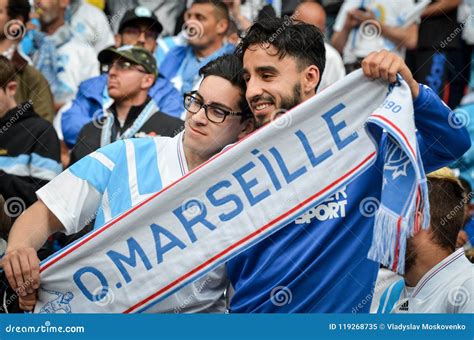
112	179
116	177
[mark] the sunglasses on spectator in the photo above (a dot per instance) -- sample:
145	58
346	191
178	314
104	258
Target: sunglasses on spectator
122	65
214	114
134	33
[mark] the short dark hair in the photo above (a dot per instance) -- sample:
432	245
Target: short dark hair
19	8
7	72
299	40
447	200
220	8
229	67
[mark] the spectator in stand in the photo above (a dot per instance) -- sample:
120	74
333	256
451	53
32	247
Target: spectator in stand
91	24
429	60
313	13
138	27
58	54
209	20
366	26
132	72
14	14
29	147
438	278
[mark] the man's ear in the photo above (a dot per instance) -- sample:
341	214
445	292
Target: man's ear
10	89
311	78
248	126
148	81
222	26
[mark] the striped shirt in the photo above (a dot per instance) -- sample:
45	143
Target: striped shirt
115	178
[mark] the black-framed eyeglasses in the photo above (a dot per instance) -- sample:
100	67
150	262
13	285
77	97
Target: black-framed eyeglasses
214	114
122	65
134	33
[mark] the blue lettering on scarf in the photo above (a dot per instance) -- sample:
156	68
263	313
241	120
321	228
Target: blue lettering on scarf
102	280
133	249
174	241
247	185
335	128
315	160
289	177
199	217
217	202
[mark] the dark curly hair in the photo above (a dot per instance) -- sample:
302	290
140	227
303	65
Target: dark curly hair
299	40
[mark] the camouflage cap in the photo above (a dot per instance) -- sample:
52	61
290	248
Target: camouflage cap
134	54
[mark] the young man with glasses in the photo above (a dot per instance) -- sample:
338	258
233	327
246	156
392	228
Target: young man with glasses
132	72
109	181
139	26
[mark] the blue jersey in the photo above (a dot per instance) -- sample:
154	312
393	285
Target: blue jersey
319	262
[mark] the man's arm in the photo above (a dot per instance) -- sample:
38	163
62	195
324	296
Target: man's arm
402	36
21	263
345	22
440	136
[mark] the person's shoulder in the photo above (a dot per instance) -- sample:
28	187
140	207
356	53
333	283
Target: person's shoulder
93	84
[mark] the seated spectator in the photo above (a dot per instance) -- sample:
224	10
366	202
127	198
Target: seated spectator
138	27
206	23
132	72
366	26
31	85
313	13
90	23
437	278
61	56
29	147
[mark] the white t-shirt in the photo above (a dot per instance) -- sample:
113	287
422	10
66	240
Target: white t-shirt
334	69
446	288
367	38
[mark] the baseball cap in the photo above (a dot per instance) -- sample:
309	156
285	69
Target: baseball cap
141	13
135	54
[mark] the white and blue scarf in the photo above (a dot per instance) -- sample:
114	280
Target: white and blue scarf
244	194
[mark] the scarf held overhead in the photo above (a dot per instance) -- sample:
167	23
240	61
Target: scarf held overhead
246	193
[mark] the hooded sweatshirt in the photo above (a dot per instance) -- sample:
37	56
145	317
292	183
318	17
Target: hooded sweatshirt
29	154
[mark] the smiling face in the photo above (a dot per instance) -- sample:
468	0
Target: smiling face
204	138
273	84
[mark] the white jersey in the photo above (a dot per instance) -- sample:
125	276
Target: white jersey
114	178
367	38
446	288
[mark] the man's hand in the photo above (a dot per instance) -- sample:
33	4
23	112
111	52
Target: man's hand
21	268
351	21
361	16
385	65
28	302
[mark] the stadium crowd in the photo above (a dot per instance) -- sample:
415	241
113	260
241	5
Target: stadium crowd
80	78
